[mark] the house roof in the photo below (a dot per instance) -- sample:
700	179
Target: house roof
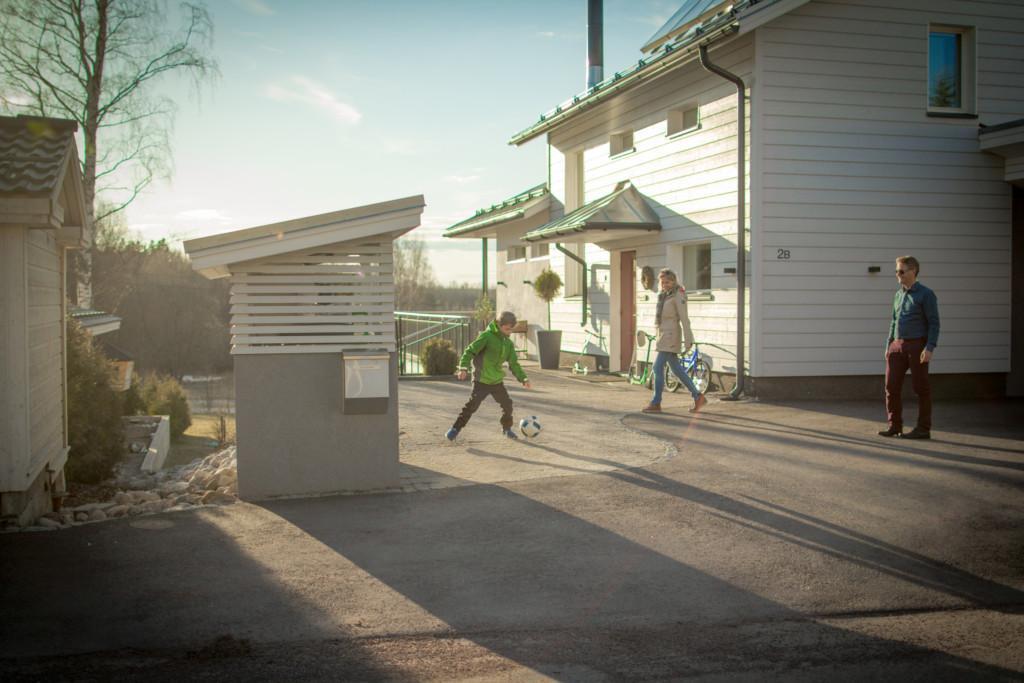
1006	140
95	322
622	213
34	153
692	12
39	168
677	49
212	255
515	207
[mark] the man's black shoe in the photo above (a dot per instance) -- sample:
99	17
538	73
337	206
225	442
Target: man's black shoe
918	434
891	431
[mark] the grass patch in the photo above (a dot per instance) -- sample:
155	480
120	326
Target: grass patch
199	440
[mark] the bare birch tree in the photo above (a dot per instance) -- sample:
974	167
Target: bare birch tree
94	62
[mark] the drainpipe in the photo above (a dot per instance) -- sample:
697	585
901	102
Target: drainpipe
483	284
586	276
741	248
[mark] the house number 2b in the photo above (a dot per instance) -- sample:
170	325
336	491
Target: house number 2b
783	254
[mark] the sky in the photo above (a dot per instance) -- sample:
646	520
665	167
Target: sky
329	104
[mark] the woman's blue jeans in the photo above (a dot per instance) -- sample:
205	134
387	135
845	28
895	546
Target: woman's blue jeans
677	367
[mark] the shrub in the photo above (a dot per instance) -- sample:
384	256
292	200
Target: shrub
439	357
546	286
95	432
163	395
484	310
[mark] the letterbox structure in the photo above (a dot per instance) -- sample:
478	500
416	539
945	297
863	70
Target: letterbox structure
313	340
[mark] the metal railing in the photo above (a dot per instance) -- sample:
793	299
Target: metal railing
414	330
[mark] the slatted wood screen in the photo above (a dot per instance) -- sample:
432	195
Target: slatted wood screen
331	299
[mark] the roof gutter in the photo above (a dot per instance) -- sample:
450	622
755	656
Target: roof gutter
674	54
582	262
741	247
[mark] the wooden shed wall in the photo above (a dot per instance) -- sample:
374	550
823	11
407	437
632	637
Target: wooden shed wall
45	343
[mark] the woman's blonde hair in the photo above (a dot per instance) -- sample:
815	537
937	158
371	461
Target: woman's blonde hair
669	273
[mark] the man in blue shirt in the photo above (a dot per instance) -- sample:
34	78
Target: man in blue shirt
913	334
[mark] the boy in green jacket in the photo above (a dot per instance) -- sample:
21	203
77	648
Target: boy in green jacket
488	354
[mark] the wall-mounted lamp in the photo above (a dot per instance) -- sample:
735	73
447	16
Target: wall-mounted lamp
528	282
874	269
730	271
499	282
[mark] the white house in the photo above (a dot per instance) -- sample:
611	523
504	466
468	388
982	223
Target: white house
42	215
871	132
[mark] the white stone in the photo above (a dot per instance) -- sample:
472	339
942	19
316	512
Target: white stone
117	511
48	523
174	487
122	498
81	516
97	515
217	498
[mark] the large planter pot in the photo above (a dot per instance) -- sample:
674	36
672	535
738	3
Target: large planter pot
549	348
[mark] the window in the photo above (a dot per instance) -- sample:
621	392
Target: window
621	143
573	279
683	120
697	267
540	250
515	254
950	70
692	264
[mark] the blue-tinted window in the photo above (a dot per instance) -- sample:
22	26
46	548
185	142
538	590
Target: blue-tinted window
945	55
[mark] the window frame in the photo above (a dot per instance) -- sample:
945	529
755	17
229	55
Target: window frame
676	258
546	256
968	71
621	143
518	259
681	111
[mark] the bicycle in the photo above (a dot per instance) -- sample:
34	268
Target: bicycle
643	373
578	366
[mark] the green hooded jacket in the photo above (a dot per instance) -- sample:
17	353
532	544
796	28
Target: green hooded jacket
488	353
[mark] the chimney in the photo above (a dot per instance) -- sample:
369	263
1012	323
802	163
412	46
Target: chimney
595	43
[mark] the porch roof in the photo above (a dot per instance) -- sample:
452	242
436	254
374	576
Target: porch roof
1006	140
622	213
483	222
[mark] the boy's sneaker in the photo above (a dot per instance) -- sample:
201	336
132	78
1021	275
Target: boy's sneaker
451	434
510	434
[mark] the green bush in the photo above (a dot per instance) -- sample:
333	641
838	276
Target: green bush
95	432
439	358
163	395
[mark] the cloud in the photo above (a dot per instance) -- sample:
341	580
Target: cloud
545	34
256	7
461	179
308	91
203	215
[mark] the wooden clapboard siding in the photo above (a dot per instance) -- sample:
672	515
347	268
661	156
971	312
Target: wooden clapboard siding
45	351
689	178
853	173
327	299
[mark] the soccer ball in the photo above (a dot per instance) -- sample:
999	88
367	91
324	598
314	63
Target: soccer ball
529	426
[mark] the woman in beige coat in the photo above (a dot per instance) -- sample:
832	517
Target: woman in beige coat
670	316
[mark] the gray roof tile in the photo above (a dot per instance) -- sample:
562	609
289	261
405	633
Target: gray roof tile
33	152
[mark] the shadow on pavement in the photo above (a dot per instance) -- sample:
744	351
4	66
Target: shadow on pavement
553	592
157	599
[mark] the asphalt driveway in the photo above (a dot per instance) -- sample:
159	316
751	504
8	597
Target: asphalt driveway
752	541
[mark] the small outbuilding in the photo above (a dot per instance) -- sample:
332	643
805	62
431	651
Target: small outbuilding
42	215
313	340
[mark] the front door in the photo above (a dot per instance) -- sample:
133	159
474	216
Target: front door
627	308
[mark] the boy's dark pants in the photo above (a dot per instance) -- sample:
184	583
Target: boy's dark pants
480	392
904	354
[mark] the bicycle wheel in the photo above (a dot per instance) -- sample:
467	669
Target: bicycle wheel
700	373
579	368
672	382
